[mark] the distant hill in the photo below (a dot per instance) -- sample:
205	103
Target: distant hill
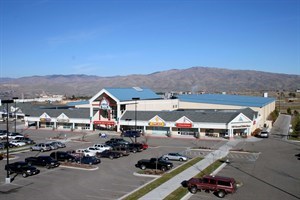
210	80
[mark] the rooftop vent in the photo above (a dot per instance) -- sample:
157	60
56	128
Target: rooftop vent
138	89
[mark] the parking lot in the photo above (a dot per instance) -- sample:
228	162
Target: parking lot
271	174
112	179
268	170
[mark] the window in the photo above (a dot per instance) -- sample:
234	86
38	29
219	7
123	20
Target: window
213	181
224	183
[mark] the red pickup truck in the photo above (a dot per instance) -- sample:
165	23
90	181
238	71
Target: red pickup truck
218	184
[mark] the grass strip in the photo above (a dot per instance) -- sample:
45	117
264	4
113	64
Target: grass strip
164	178
182	191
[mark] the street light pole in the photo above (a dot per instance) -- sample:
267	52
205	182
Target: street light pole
135	113
15	100
7	180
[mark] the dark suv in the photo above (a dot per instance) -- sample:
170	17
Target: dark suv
62	156
22	168
218	184
45	161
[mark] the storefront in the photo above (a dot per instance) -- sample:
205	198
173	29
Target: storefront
223	124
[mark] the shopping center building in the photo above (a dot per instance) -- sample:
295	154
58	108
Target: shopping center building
142	109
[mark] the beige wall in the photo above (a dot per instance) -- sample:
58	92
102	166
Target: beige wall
153	105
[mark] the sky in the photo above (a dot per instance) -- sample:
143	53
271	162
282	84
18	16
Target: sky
123	37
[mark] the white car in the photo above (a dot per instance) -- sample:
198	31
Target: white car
85	152
102	147
94	149
17	143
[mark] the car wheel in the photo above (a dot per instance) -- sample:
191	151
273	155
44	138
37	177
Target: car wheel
193	189
166	158
90	163
78	162
221	194
111	157
134	150
9	172
42	150
29	163
163	168
48	166
24	174
143	167
180	159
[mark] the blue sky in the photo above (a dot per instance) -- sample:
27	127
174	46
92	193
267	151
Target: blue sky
121	37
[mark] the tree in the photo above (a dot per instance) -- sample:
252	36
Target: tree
296	128
289	111
273	115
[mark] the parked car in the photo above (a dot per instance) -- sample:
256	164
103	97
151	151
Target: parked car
13	135
10	145
21	168
102	147
2	136
25	139
1	156
2	146
62	156
59	144
45	161
264	134
124	151
84	152
110	154
17	143
154	163
52	145
91	160
117	142
175	156
145	146
217	184
135	147
131	133
40	147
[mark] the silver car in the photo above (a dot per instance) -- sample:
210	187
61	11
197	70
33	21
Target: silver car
41	147
174	156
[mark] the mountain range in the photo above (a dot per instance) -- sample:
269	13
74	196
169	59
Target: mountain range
195	79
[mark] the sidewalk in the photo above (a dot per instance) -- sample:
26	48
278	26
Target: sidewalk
168	187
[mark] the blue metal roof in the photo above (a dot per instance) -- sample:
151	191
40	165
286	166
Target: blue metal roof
75	103
126	94
225	99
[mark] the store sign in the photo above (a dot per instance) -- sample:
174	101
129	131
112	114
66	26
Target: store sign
63	118
241	126
156	121
110	123
184	122
45	118
104	104
184	125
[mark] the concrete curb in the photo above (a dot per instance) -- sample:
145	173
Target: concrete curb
79	168
146	175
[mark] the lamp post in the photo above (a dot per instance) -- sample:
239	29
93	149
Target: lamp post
7	179
135	112
15	100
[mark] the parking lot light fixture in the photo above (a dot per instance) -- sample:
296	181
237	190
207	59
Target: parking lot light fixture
7	179
15	100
